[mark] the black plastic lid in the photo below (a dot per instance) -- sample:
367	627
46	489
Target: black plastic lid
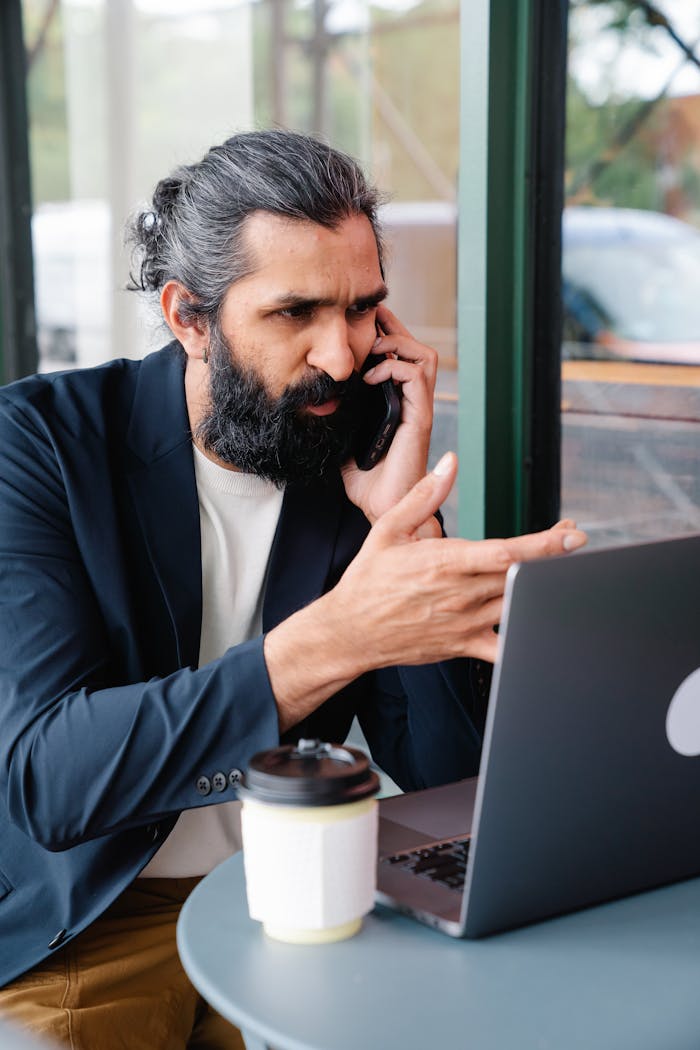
309	773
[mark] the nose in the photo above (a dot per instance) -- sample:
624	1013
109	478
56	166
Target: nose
332	351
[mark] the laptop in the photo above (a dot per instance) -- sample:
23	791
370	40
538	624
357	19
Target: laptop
589	784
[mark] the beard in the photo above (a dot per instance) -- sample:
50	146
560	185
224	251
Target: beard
273	438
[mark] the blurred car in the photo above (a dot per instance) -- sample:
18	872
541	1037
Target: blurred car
630	286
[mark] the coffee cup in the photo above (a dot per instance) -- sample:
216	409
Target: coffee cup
309	826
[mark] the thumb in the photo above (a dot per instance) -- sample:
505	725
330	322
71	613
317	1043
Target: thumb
419	504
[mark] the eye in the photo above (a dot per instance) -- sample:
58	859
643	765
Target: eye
361	309
298	312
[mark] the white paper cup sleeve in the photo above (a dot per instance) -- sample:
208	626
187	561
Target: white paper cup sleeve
306	871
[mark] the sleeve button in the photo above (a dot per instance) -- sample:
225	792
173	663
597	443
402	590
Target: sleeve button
58	939
234	777
203	785
218	782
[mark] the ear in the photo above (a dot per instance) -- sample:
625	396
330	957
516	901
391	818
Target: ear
191	331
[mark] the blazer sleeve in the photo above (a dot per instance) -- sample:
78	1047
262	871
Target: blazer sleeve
81	756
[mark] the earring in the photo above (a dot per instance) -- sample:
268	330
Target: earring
205	355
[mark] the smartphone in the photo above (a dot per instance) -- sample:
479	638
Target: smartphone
380	416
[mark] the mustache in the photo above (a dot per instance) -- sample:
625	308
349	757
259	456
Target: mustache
317	389
273	437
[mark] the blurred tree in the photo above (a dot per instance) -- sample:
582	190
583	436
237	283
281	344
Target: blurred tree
612	149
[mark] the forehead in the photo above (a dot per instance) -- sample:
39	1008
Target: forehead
301	254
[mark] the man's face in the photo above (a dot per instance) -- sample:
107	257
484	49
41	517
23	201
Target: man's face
290	341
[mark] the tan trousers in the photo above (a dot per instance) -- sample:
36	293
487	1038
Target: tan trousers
120	985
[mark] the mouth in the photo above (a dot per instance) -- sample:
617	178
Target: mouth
325	409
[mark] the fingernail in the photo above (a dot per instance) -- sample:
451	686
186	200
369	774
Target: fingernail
369	372
443	465
376	343
573	540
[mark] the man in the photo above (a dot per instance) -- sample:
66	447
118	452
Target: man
192	567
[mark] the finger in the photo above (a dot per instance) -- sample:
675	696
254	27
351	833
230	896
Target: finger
485	556
487	616
389	322
465	594
483	646
403	371
487	587
407	352
544	544
418	505
403	345
565	523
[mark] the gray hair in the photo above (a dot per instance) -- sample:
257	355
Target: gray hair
193	231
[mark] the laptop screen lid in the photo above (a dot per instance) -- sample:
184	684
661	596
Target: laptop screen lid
583	795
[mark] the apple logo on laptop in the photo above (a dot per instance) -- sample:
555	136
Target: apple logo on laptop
683	717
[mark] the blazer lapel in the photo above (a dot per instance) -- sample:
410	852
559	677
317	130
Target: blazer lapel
164	492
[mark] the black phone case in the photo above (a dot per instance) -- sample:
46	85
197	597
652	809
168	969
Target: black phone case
380	415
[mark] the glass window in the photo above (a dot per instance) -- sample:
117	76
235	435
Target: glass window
631	270
120	92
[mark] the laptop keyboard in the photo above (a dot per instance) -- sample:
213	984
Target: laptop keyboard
445	863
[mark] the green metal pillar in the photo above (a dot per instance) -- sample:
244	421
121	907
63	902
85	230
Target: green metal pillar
18	348
512	142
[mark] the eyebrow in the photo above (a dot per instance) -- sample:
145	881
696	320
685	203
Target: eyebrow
293	299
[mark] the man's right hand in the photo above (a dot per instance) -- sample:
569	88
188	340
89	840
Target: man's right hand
402	600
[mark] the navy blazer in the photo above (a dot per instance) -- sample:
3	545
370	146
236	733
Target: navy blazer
106	723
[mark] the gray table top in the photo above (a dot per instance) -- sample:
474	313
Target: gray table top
622	975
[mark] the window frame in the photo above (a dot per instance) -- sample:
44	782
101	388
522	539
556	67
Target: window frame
513	60
18	344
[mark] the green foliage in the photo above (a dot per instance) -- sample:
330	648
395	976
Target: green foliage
596	172
631	152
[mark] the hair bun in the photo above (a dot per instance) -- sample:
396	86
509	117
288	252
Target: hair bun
166	194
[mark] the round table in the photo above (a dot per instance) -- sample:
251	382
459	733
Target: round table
622	975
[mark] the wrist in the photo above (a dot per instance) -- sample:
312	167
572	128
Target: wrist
309	657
